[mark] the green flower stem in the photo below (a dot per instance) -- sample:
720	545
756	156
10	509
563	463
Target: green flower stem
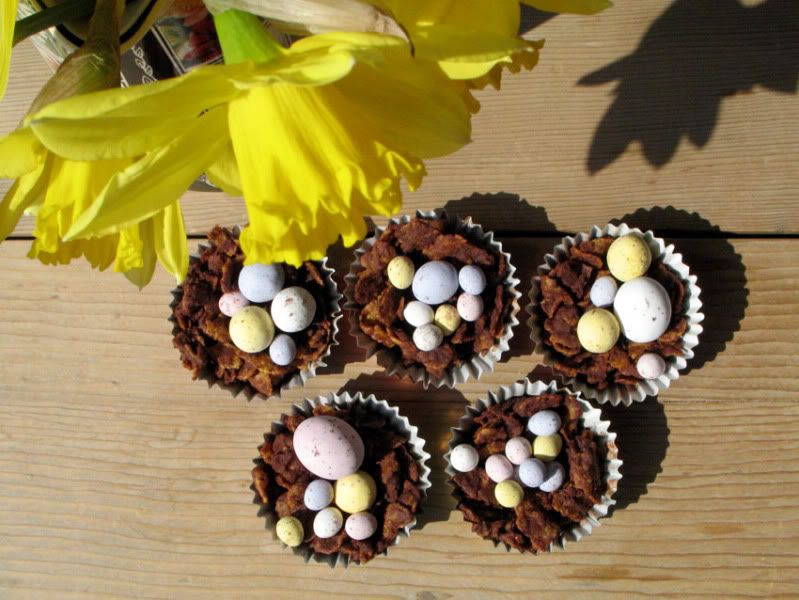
243	37
68	10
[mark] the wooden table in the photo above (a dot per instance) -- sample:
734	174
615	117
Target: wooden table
120	477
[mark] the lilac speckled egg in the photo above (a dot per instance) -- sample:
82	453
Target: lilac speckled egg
328	447
328	522
603	291
518	449
554	478
472	279
544	422
498	468
318	494
650	365
435	282
260	282
232	302
470	307
361	525
532	472
282	350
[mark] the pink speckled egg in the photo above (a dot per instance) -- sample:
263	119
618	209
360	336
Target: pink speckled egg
498	468
232	302
360	525
328	447
518	450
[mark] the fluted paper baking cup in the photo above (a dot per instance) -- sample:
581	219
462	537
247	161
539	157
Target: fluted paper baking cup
394	422
620	394
308	371
389	358
590	419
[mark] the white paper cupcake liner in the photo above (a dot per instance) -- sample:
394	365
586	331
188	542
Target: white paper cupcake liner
303	375
619	394
388	357
591	419
394	422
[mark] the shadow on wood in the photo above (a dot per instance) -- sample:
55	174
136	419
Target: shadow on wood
695	54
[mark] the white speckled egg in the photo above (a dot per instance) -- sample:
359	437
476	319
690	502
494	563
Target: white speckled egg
360	526
318	494
554	478
544	422
498	468
328	522
435	282
470	307
464	458
603	291
260	282
282	350
428	337
328	447
418	313
472	279
293	309
532	472
650	365
518	449
643	308
231	303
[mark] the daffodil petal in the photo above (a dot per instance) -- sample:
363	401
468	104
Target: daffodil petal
20	153
7	20
580	7
318	68
498	16
26	191
151	184
141	276
224	172
170	241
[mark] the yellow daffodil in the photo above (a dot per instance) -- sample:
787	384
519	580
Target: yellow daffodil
8	16
580	7
316	137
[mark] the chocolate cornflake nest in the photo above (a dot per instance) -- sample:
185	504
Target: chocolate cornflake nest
201	330
379	305
565	295
279	480
542	517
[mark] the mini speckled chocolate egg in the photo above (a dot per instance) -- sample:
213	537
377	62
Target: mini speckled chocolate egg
532	472
518	450
470	307
360	526
644	309
328	447
544	422
598	330
629	257
650	365
509	493
260	282
428	337
554	478
547	447
290	531
417	313
498	468
464	458
472	279
328	522
231	303
318	494
355	493
293	309
435	282
400	272
251	329
447	318
282	350
603	291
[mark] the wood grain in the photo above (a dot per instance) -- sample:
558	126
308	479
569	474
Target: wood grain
122	478
713	82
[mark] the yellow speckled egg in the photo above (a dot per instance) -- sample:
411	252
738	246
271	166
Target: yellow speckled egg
629	257
400	272
355	493
447	318
509	493
598	330
290	531
251	329
547	447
